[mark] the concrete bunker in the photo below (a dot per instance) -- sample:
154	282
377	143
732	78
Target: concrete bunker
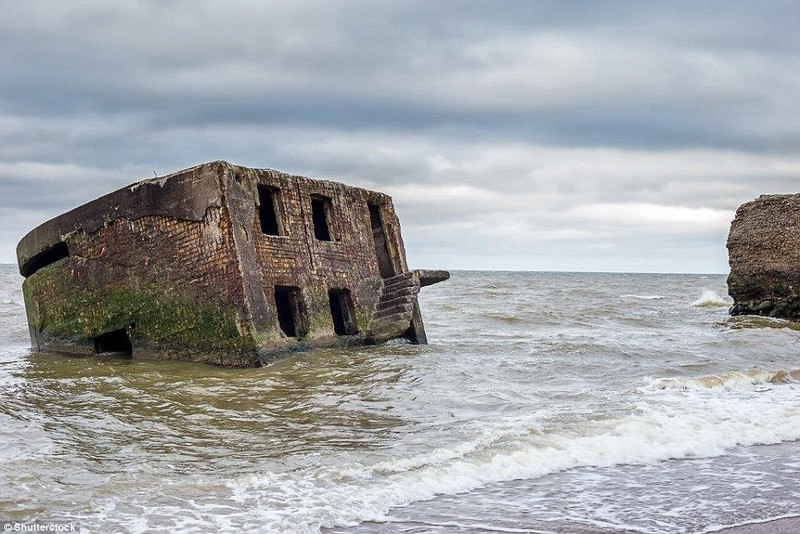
222	264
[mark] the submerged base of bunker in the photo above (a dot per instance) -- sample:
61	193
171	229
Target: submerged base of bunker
221	264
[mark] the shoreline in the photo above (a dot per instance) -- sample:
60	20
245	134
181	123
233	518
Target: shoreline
564	502
781	525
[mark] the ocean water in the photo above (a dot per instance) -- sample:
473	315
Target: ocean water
545	402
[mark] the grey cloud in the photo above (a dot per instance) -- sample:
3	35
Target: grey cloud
538	111
542	72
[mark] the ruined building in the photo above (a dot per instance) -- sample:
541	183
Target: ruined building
221	264
764	256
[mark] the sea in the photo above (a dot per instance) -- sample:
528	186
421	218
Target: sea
544	402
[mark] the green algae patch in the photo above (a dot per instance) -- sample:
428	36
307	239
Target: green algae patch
161	322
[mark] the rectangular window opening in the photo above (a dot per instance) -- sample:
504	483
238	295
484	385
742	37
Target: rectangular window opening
291	311
342	312
114	342
268	210
44	258
385	264
321	216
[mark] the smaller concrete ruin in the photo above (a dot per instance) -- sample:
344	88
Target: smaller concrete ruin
764	256
221	264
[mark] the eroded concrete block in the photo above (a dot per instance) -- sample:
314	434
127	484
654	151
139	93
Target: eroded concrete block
764	256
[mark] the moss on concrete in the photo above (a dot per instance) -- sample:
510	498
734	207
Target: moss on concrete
165	324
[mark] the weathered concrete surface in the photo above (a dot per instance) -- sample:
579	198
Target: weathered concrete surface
221	264
764	256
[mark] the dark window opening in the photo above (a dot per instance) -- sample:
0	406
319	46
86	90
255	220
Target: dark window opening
44	258
117	342
291	312
342	312
320	213
385	265
268	210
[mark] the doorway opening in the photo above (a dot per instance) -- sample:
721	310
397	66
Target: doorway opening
342	312
114	342
291	312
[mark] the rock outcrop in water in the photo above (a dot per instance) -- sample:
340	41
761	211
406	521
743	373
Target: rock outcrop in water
764	256
221	264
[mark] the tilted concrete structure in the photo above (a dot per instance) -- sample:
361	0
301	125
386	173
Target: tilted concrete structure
764	256
221	264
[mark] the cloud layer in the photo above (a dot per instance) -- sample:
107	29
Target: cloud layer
512	135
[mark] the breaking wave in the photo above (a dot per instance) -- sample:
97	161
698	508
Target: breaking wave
675	418
729	380
644	297
711	299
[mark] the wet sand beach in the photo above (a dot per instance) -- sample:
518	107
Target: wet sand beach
787	525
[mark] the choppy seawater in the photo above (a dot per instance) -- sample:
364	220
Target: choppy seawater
546	402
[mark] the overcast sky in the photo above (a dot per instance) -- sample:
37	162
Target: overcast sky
585	136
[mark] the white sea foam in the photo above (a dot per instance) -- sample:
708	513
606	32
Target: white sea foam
644	297
692	418
711	299
728	380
